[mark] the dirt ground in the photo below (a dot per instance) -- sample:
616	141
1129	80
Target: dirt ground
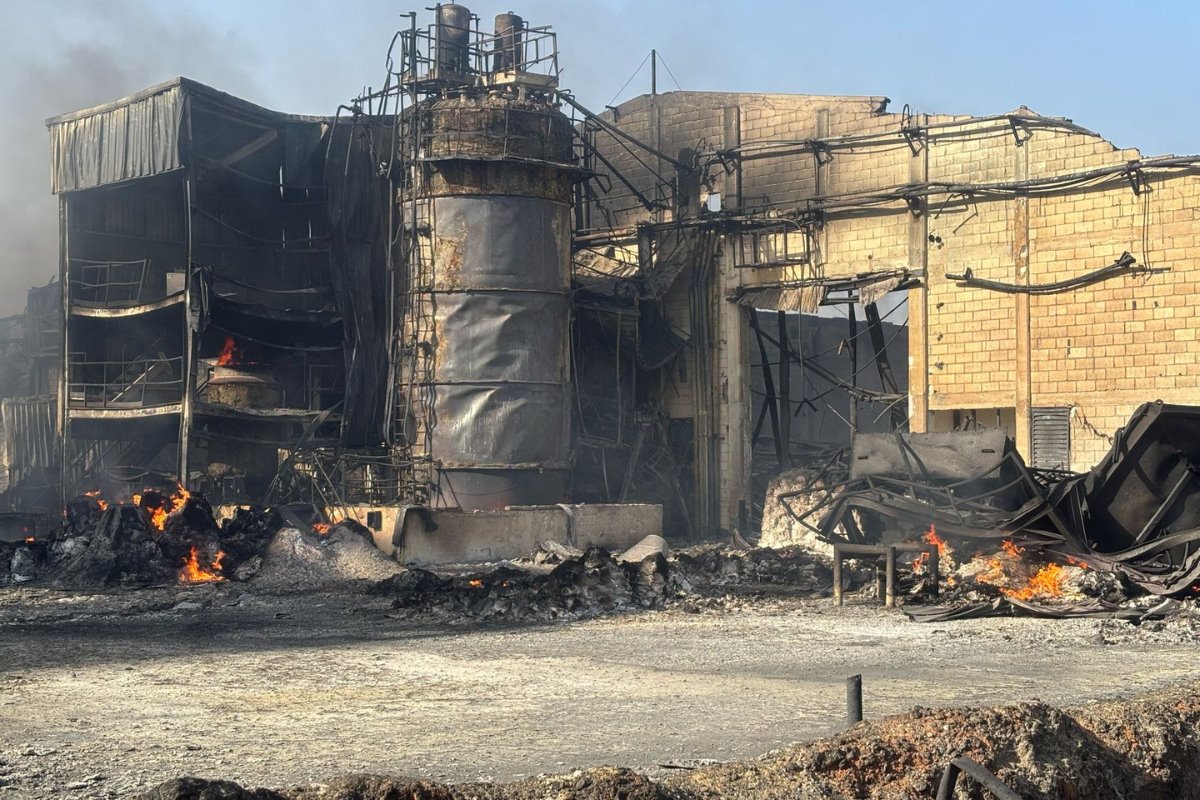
105	695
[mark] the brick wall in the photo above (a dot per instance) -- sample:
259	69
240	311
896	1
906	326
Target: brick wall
1100	350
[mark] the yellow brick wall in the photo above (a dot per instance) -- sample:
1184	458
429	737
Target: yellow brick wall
1101	350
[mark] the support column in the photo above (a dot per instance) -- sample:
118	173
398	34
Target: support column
918	297
1023	366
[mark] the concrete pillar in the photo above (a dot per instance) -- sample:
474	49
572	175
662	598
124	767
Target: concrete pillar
918	298
1023	368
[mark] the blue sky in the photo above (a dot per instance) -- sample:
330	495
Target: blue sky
1123	69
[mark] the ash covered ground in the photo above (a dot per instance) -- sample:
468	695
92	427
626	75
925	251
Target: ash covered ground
269	683
142	650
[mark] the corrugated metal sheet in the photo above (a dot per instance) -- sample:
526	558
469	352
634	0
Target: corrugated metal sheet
135	138
29	433
1051	437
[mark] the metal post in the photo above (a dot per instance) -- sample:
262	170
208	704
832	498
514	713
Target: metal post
935	558
852	345
653	72
890	578
854	706
785	390
880	582
837	575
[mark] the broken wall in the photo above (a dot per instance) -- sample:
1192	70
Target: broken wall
916	192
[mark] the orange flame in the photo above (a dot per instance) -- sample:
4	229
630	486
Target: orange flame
1008	547
475	583
30	539
230	353
931	537
322	528
101	503
193	571
159	514
1047	582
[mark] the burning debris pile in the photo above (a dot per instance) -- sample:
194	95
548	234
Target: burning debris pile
153	538
1017	538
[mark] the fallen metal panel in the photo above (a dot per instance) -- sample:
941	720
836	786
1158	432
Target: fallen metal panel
956	456
1148	476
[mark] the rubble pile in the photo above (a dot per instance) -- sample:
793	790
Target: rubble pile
153	540
596	582
303	561
1146	747
584	586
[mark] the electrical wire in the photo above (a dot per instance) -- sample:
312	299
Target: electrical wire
631	77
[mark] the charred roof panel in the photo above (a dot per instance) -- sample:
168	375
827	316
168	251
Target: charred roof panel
139	136
133	138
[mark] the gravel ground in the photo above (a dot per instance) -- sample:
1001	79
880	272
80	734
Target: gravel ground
104	695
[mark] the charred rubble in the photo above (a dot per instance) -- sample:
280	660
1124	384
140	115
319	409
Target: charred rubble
154	539
1019	538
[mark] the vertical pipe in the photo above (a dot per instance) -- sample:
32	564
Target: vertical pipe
64	281
653	72
854	713
785	389
852	344
188	366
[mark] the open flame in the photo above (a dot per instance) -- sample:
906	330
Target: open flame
159	513
322	528
193	571
230	353
931	537
475	583
1047	582
101	503
30	540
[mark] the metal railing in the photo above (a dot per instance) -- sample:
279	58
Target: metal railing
136	383
109	284
448	55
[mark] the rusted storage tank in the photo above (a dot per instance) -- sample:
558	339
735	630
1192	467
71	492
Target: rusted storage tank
509	54
498	194
453	38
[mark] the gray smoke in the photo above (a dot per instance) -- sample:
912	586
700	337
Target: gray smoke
64	56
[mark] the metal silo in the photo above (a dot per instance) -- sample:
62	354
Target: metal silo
494	288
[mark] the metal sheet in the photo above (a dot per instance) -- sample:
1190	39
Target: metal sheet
135	139
1157	451
955	456
482	489
502	336
501	243
517	425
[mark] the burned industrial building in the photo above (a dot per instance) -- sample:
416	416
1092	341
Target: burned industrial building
465	354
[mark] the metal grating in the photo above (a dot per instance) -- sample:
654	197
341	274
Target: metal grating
1051	437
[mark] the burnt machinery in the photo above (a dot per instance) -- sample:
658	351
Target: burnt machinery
484	170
